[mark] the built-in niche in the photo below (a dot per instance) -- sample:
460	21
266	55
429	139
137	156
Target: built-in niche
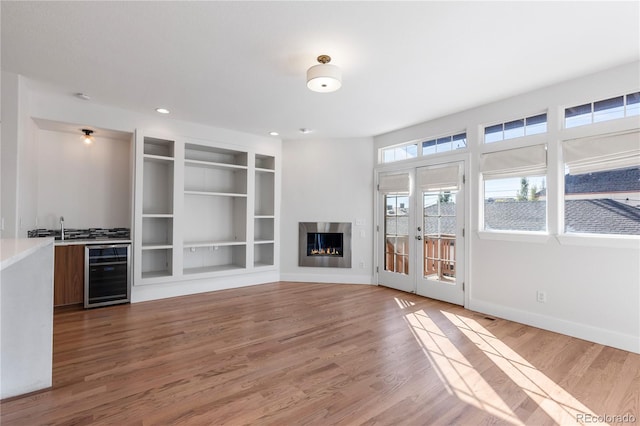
90	185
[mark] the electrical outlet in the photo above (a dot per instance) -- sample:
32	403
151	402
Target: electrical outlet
541	296
361	264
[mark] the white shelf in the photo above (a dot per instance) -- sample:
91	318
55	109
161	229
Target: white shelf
157	158
155	274
213	165
156	246
215	194
264	217
212	269
263	241
213	244
260	170
157	215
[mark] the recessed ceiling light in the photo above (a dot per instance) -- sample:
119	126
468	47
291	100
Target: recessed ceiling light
83	96
162	110
274	133
304	131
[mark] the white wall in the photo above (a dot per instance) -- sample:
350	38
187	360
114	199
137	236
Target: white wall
593	284
90	185
9	152
18	156
327	180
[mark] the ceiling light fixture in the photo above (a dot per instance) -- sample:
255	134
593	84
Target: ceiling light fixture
324	77
304	131
87	138
162	110
274	133
83	96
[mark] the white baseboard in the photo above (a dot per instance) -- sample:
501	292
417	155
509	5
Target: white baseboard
327	278
602	336
147	292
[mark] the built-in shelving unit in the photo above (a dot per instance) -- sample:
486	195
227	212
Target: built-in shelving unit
202	209
158	175
215	201
264	211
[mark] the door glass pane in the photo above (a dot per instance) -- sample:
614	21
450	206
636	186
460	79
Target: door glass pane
439	236
396	220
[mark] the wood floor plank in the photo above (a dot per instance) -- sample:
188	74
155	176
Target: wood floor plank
319	354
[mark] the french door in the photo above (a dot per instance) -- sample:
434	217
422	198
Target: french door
421	231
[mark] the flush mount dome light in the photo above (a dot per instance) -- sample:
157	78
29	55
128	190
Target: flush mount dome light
324	77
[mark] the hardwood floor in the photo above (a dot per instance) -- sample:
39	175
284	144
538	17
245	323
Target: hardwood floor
299	353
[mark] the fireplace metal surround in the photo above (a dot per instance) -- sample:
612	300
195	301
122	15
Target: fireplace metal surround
324	261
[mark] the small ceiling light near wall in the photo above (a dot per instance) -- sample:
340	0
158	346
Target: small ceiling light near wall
83	96
324	77
87	138
162	110
274	133
304	131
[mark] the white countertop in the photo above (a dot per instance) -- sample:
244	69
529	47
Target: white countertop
13	250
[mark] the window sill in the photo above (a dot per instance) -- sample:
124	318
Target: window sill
529	237
592	240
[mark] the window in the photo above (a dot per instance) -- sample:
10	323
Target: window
517	128
604	110
444	144
515	189
395	188
602	185
400	152
432	146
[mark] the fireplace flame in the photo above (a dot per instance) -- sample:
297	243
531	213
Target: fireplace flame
330	251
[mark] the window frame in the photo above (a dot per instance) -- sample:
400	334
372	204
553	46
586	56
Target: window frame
420	151
592	112
512	126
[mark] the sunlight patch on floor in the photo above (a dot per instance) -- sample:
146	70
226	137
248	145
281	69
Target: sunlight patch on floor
457	374
403	304
557	403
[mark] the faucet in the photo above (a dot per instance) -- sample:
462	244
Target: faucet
62	227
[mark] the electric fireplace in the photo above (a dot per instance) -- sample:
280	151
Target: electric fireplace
325	244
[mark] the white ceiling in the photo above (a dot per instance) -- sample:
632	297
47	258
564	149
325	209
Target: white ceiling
241	65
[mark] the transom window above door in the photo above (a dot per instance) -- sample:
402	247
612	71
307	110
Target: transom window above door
430	146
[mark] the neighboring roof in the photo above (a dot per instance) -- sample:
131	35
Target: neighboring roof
600	216
625	180
516	215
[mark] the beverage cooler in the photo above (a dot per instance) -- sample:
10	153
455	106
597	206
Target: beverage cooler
107	275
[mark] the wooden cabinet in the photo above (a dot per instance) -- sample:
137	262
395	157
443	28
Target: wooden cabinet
68	280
